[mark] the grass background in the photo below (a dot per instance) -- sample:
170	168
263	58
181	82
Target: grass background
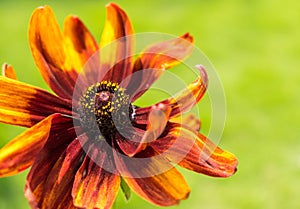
255	47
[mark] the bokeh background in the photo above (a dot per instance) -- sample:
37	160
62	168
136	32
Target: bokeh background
255	48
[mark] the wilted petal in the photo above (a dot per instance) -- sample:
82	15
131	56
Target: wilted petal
94	187
8	71
117	44
24	105
20	153
155	59
195	152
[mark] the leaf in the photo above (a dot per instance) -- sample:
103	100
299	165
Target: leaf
125	189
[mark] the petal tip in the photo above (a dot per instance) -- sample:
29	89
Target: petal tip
203	73
188	37
111	4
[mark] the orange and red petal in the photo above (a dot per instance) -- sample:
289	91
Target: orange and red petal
165	189
56	192
20	153
152	177
25	105
80	44
155	59
130	142
195	152
8	71
59	56
187	98
94	187
117	44
180	103
48	182
133	140
189	121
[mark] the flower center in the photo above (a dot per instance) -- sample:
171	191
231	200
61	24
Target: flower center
105	107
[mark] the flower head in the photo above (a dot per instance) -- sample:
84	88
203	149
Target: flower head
88	138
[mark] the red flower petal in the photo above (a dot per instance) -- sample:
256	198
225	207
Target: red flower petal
57	190
155	59
24	105
117	44
131	145
20	153
93	186
195	152
8	71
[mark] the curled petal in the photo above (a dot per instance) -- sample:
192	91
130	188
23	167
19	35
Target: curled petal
182	102
137	140
186	99
8	71
157	120
131	145
117	44
195	152
155	59
20	153
24	105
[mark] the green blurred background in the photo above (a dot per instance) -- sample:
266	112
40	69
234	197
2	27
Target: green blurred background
255	47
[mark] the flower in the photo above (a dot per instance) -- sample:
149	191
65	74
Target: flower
90	138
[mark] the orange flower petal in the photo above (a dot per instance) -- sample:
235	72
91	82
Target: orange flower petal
167	54
20	153
117	44
8	71
196	152
93	186
48	183
80	44
53	56
165	189
24	105
157	58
